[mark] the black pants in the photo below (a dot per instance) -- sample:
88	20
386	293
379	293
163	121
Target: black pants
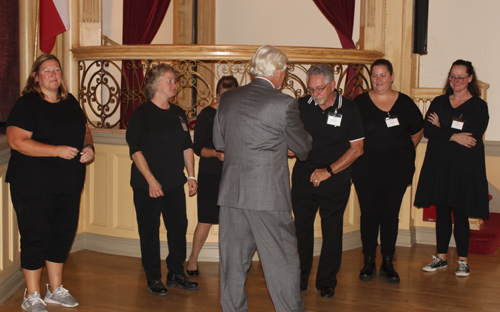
331	201
444	227
47	224
380	205
173	208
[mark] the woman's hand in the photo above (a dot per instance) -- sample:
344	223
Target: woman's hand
193	187
434	119
291	154
66	152
87	154
466	139
155	189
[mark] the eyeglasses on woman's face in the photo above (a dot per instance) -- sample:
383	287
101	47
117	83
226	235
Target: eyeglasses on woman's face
458	79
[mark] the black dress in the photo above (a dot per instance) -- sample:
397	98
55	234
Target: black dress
210	169
453	174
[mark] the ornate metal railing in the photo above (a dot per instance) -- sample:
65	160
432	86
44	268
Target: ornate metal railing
106	93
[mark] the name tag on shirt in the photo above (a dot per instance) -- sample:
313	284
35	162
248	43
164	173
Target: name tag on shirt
457	123
392	121
183	123
334	119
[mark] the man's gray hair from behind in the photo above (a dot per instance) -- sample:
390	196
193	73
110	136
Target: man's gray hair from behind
266	60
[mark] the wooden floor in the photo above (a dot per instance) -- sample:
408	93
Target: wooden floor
103	282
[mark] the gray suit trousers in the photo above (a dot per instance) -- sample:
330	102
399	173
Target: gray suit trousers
273	234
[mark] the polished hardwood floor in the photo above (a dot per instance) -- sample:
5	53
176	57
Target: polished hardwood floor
103	282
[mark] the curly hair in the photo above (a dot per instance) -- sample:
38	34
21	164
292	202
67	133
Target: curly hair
152	79
267	60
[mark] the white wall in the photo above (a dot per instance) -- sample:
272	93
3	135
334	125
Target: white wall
113	21
276	22
464	29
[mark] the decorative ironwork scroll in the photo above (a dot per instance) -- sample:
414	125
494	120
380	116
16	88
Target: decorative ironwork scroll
101	89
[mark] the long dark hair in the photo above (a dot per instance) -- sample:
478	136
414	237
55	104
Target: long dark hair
32	85
472	86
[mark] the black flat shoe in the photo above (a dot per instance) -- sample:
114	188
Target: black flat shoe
157	288
327	292
192	273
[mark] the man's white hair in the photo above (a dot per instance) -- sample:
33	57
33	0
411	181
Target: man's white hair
266	60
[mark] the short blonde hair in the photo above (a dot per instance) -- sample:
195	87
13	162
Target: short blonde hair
152	79
267	60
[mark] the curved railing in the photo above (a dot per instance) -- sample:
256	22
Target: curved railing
106	92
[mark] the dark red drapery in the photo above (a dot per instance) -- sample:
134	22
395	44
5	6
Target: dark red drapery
340	13
141	21
9	57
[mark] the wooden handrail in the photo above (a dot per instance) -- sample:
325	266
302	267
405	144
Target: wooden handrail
221	52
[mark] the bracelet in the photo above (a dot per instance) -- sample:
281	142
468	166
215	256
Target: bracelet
193	178
91	146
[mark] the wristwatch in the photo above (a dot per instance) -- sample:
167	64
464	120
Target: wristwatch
329	170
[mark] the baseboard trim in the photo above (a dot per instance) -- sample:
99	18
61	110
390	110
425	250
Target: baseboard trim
11	285
427	236
210	252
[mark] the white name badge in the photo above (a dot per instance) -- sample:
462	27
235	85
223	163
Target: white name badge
334	120
183	123
457	124
392	121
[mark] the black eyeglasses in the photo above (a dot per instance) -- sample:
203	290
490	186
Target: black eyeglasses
318	90
459	79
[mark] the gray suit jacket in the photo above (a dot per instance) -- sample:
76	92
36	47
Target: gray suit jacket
255	125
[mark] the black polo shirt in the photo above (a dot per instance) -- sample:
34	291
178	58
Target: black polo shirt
329	142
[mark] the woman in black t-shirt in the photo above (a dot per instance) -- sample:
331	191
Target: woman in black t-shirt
210	173
160	147
393	127
50	144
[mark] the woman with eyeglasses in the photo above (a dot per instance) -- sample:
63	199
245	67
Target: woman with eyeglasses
453	175
160	146
393	127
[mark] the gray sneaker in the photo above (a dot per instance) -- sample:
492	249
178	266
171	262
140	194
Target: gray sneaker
463	268
437	263
33	303
61	296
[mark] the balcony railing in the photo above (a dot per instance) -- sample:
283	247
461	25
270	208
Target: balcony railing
105	99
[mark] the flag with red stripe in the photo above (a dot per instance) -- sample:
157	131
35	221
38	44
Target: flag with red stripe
54	19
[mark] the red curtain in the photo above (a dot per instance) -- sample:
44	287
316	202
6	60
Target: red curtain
340	13
141	21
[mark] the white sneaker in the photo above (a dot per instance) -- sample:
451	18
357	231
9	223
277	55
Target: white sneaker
33	303
463	268
61	296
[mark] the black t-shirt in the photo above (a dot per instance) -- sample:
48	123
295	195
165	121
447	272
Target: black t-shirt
61	123
389	152
329	142
203	133
162	136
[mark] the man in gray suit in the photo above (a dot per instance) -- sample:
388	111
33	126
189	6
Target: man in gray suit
256	125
